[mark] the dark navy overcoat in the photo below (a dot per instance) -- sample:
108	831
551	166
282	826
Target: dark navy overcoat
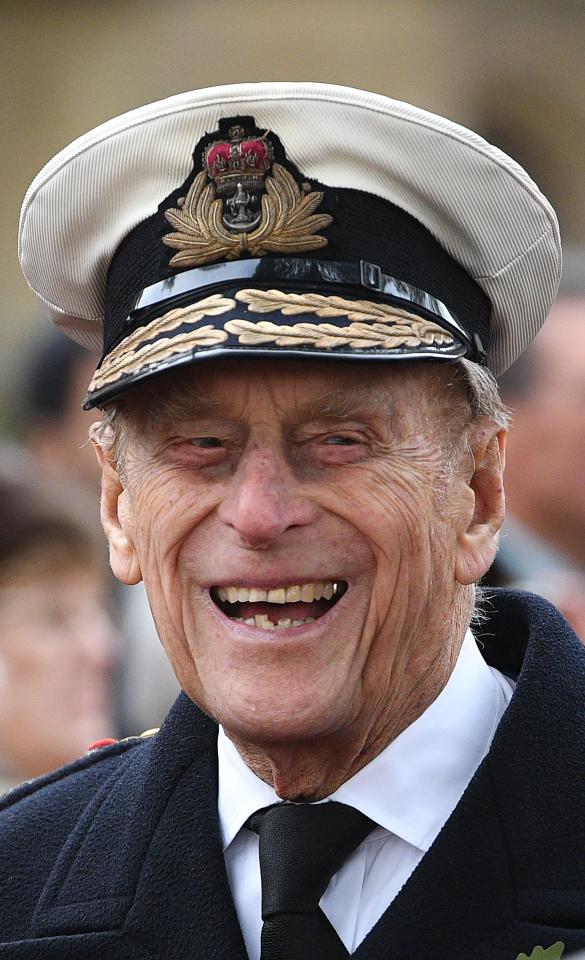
118	856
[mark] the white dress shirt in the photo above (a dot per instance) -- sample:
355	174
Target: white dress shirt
409	790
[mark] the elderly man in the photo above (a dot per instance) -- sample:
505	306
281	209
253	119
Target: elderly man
302	451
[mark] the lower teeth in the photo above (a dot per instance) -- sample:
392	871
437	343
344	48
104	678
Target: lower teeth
264	623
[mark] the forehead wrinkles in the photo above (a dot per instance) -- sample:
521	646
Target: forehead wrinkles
400	400
290	409
343	403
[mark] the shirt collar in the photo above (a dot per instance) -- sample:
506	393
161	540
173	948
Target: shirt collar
412	787
240	792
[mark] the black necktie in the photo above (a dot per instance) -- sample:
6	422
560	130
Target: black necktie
301	846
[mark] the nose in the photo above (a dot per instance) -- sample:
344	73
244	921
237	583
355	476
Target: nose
264	499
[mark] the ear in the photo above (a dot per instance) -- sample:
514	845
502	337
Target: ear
477	540
115	521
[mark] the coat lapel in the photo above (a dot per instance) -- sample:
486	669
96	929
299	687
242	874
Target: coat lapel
146	858
507	872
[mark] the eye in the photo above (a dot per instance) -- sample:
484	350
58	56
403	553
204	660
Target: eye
203	451
340	440
206	442
336	449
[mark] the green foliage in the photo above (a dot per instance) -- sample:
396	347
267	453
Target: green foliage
539	953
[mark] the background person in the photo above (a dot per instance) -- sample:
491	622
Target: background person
50	416
542	546
55	427
58	646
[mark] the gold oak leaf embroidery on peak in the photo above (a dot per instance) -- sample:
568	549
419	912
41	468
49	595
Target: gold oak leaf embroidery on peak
373	324
133	353
292	304
539	953
289	223
357	336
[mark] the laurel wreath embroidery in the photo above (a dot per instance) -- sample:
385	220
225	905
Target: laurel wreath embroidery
358	336
291	304
130	356
371	325
289	223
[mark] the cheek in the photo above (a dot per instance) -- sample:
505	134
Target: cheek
393	508
174	508
397	511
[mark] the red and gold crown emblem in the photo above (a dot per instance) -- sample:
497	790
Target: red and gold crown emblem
243	203
239	159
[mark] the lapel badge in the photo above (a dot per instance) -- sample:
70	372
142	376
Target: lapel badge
243	203
539	953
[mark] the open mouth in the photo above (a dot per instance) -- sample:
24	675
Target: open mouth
278	607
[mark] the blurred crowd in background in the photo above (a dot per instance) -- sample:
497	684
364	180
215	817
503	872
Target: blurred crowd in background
69	677
79	657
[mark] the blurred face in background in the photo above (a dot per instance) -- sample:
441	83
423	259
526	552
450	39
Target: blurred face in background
57	653
545	472
59	443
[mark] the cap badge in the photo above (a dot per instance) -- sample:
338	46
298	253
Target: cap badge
241	203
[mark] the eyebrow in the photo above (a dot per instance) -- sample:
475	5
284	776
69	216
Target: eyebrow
343	404
339	404
177	406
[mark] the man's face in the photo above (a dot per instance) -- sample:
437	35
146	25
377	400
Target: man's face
318	484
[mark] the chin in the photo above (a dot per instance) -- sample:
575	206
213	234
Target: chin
277	719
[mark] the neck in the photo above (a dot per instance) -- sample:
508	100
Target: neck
310	770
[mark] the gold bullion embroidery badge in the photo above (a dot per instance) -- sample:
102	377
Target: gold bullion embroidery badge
234	207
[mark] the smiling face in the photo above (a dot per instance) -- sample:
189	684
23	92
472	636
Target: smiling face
301	541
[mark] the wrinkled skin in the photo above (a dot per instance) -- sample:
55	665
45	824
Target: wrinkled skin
318	472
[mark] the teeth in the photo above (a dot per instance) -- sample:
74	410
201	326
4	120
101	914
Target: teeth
262	621
277	596
305	593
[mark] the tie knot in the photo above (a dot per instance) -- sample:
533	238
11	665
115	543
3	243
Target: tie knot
301	846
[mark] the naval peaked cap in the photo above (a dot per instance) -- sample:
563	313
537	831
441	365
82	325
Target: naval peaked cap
287	220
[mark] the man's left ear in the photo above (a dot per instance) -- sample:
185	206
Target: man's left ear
477	541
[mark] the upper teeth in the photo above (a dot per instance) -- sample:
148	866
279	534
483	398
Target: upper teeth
306	593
